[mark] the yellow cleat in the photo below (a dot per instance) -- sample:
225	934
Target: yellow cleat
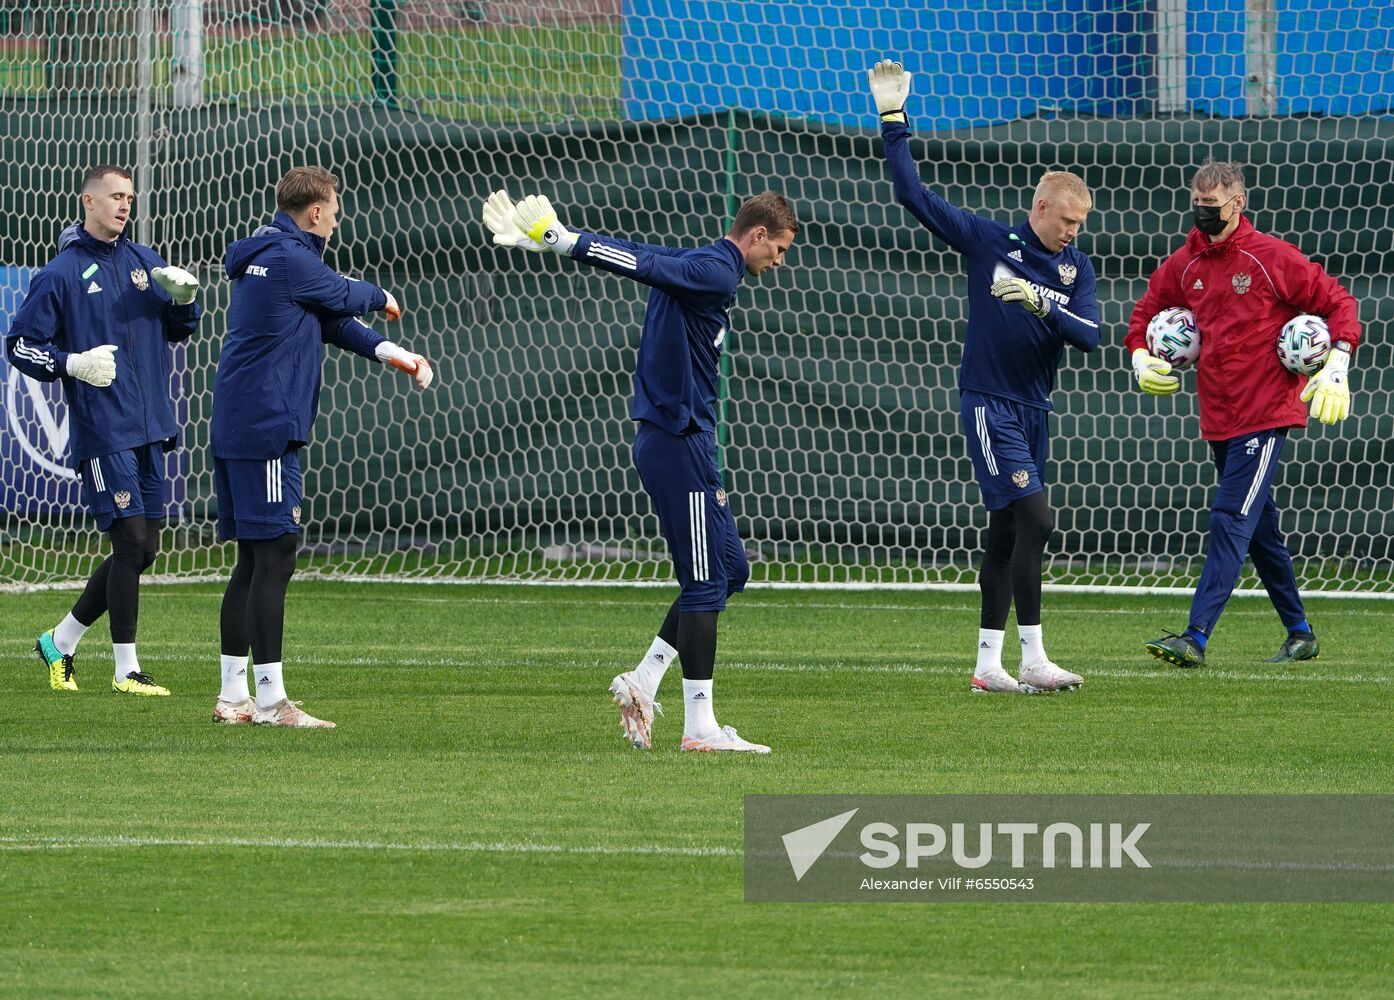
141	684
60	665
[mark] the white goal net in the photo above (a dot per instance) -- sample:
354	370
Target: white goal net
652	120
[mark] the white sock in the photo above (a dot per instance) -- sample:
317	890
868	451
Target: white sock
270	686
989	649
68	634
126	661
1032	644
654	665
235	687
698	719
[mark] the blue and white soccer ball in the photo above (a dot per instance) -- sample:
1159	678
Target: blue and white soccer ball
1174	337
1303	344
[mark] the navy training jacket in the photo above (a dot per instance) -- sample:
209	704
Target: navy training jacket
678	371
94	293
1007	352
286	303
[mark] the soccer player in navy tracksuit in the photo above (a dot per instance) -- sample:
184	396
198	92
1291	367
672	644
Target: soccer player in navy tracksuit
286	304
101	316
1030	292
675	409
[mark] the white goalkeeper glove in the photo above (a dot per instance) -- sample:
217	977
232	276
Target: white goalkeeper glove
95	367
391	310
536	217
499	218
1020	290
1327	389
890	87
181	285
1152	374
413	364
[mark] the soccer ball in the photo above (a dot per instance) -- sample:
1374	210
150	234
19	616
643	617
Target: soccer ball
1303	344
1174	337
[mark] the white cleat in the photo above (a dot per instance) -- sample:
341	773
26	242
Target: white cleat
234	713
636	710
999	682
1046	676
724	739
288	713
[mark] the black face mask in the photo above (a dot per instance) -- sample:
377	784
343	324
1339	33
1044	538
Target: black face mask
1207	218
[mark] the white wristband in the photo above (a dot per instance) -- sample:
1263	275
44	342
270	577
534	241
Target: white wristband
387	350
561	239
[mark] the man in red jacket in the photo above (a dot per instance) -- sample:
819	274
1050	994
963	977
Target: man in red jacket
1243	286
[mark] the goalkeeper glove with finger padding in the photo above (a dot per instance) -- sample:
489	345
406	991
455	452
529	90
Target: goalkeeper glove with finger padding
1327	389
413	364
1152	374
536	217
392	310
95	367
890	87
499	219
181	285
1020	290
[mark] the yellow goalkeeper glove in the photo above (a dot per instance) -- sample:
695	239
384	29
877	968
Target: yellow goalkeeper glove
890	88
1020	290
498	216
536	217
1152	374
1327	389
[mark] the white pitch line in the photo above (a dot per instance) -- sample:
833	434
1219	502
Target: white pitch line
1171	674
162	579
1264	612
480	847
277	843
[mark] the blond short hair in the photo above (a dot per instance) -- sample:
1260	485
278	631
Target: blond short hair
1219	174
1063	184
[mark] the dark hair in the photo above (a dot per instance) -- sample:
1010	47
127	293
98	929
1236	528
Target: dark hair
770	210
301	187
1217	173
94	174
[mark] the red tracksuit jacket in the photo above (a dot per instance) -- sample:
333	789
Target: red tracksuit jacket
1242	291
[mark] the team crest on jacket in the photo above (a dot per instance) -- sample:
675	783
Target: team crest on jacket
140	279
123	499
721	498
1241	283
295	514
1021	477
1067	273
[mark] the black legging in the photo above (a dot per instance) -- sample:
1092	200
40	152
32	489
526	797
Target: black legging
115	586
253	615
1012	560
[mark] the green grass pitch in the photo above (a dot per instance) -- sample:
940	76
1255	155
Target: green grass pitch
476	827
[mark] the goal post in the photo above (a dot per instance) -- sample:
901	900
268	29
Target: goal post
842	448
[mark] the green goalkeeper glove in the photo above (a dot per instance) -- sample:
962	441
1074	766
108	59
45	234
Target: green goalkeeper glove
890	87
535	216
499	219
1020	290
181	285
1327	389
1152	374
